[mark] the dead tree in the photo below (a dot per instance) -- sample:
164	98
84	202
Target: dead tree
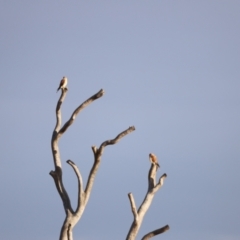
139	214
73	216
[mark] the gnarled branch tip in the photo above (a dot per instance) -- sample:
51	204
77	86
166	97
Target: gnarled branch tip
132	127
70	162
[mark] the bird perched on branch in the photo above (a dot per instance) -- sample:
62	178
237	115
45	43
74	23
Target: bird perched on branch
63	83
153	159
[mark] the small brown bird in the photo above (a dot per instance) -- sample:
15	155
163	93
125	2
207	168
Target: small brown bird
63	83
153	159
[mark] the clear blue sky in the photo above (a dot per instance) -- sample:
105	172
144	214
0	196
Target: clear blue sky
170	68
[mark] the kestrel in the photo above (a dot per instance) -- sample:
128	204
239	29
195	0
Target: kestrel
63	83
153	159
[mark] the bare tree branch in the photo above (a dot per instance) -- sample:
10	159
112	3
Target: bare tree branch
160	182
78	109
81	194
156	232
152	176
133	206
113	141
94	149
58	112
118	137
55	137
57	177
152	189
69	232
97	158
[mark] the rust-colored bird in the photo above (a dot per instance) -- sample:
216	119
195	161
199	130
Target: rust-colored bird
63	83
153	159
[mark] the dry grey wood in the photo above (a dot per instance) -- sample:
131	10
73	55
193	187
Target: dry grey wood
72	217
139	214
156	232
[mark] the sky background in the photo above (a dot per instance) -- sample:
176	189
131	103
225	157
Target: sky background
170	68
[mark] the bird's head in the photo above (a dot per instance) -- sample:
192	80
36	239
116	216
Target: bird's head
152	155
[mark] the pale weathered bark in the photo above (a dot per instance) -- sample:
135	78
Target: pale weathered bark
156	232
139	214
72	217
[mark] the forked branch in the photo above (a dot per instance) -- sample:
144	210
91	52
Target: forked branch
133	206
57	133
72	217
79	109
81	193
97	158
140	213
